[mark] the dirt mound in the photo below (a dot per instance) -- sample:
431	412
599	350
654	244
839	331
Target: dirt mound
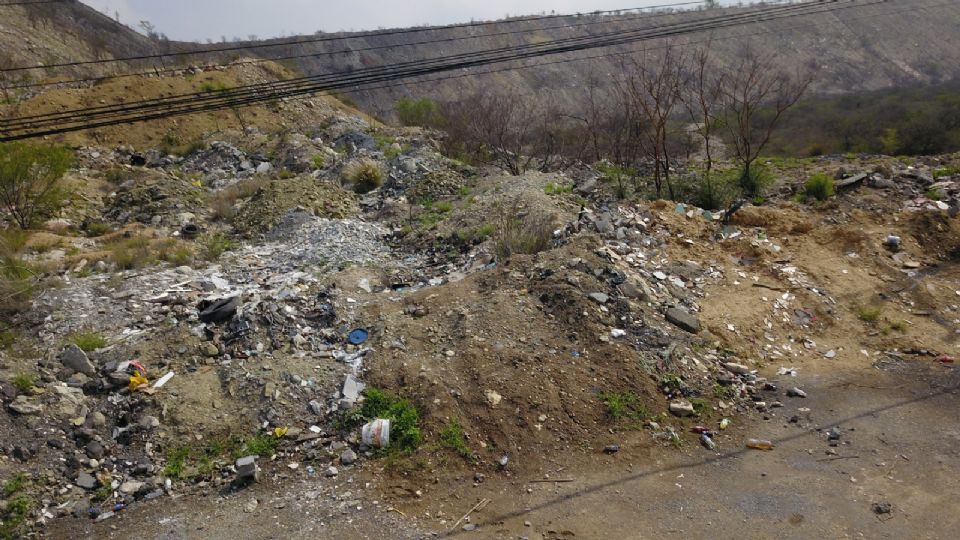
153	197
265	209
514	356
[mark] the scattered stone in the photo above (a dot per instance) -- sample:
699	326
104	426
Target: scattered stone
251	506
684	320
469	527
94	450
131	487
74	359
331	472
796	392
211	349
316	407
882	508
681	408
737	369
247	469
611	449
86	481
348	457
493	398
22	405
599	297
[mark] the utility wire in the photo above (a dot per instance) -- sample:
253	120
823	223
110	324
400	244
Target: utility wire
323	39
232	101
461	61
168	70
4	4
387	76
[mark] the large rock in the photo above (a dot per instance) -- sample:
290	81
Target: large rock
22	405
74	359
684	320
682	408
86	481
599	297
348	457
247	469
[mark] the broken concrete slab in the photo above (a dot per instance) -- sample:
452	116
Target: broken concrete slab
684	320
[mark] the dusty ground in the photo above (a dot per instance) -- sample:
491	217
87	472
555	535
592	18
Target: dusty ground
897	446
518	351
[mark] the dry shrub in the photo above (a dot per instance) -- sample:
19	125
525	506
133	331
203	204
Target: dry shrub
365	175
222	203
524	233
17	279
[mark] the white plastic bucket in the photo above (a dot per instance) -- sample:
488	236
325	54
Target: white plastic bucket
376	434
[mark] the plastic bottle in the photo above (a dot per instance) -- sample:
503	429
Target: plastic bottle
706	441
759	444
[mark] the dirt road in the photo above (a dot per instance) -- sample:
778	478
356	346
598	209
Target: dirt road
898	445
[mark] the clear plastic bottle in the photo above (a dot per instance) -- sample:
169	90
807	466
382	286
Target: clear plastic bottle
759	444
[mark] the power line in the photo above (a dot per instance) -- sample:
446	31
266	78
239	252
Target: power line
4	4
275	91
324	39
475	58
156	71
382	76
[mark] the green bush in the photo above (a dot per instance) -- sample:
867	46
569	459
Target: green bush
753	182
404	418
617	176
214	86
557	189
176	463
30	180
263	445
318	161
97	229
365	175
820	187
714	191
419	112
216	245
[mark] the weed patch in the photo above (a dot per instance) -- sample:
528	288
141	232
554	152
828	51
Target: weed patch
452	437
24	382
624	406
88	341
869	314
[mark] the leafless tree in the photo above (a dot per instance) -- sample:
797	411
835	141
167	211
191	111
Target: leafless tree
654	88
497	128
702	97
756	93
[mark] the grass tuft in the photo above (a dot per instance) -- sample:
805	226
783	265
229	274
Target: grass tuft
88	341
452	437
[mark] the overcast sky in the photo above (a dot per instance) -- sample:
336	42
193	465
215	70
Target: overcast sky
199	20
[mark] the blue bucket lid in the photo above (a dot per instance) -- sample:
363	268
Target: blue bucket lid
358	336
